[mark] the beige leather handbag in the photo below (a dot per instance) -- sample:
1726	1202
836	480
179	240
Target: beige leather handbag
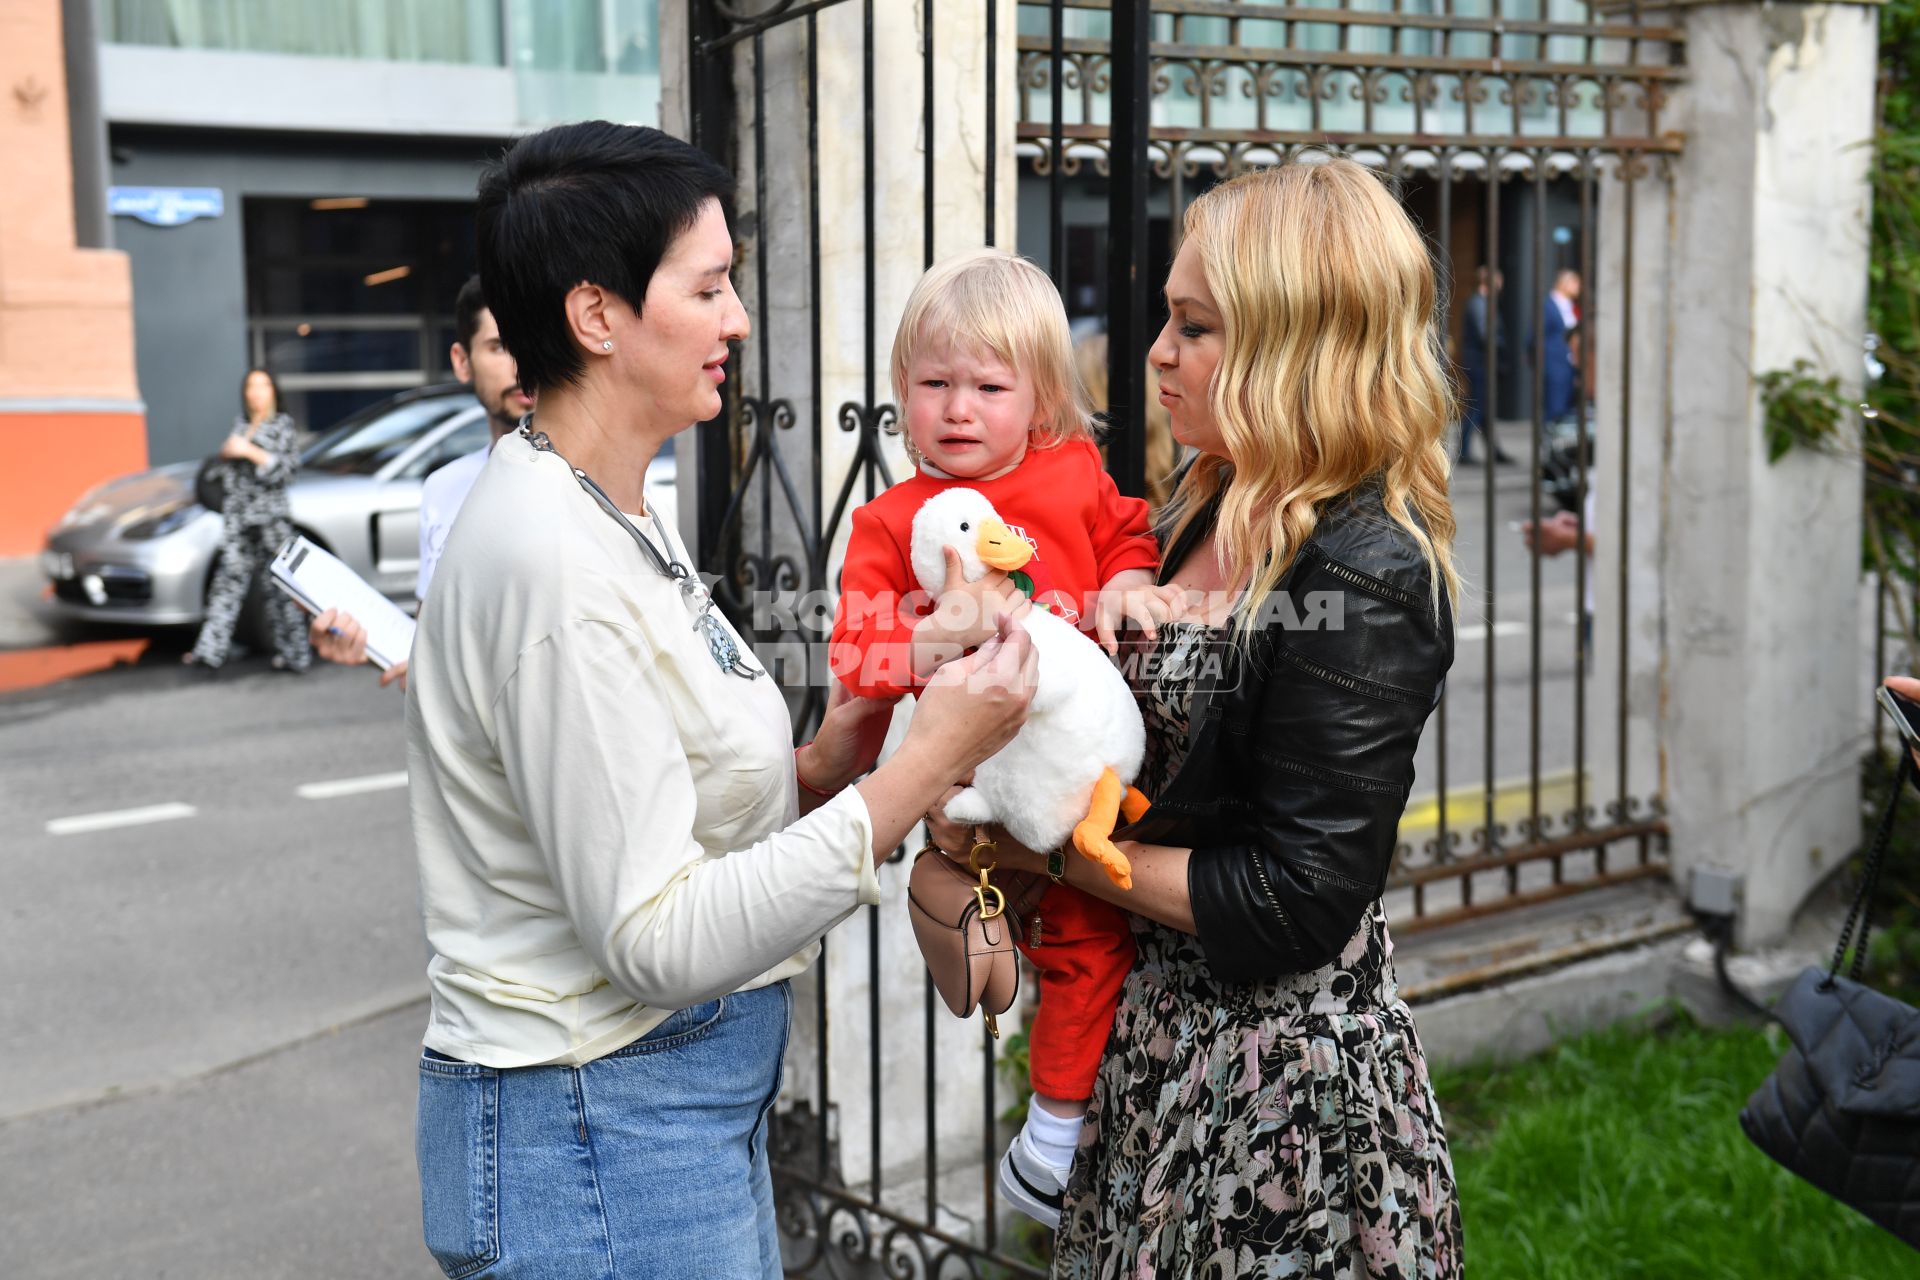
965	933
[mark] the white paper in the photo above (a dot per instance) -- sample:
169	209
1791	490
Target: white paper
320	581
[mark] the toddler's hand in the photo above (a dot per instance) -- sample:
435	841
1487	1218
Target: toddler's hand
1146	606
967	612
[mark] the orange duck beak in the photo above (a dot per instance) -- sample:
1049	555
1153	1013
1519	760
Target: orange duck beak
1000	548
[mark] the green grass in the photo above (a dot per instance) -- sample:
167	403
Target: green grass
1619	1154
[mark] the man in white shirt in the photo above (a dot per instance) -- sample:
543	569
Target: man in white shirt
481	361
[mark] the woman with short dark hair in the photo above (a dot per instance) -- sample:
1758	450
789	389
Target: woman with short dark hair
263	453
616	877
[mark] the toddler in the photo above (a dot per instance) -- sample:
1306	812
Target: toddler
983	366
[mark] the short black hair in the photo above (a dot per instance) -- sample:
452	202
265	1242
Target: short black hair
271	381
590	203
466	312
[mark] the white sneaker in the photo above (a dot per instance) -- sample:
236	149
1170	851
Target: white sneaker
1030	1184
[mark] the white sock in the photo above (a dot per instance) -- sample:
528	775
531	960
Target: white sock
1053	1138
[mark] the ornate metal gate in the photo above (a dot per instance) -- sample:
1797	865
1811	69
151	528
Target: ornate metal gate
1517	132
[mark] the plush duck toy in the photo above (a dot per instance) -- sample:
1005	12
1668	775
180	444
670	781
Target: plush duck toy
1068	772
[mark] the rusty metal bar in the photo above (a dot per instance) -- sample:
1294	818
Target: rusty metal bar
1629	173
1589	358
1490	451
863	1204
1445	21
1539	422
1532	898
1440	845
1594	841
1334	58
1488	974
1333	139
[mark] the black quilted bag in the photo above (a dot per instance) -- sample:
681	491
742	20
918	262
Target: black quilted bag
210	483
1842	1108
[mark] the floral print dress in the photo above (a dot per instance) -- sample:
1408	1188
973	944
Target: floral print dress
1282	1129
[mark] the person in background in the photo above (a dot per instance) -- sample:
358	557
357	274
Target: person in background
480	360
1559	322
1163	456
262	447
1563	531
1475	366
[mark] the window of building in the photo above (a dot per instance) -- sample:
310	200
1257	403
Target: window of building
350	299
457	31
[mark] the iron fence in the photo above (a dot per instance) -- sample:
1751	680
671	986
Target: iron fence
1502	124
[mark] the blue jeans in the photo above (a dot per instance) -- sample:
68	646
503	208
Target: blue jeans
649	1162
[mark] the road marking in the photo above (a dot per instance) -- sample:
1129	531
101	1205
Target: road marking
118	818
1467	635
351	786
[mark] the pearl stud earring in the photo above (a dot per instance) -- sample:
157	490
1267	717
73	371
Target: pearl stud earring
606	346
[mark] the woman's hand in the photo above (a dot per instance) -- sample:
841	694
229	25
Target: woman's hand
245	450
965	615
973	706
968	710
1909	688
956	841
848	741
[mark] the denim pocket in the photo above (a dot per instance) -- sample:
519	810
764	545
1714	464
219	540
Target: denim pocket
457	1141
682	1026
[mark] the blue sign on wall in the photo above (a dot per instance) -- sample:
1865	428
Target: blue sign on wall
166	206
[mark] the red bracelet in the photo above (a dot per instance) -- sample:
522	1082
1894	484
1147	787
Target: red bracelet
801	778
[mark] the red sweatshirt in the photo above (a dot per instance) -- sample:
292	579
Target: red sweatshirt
1060	499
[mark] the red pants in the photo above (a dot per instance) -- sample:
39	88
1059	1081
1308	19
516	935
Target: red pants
1084	954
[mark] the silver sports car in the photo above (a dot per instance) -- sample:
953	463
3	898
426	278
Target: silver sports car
140	549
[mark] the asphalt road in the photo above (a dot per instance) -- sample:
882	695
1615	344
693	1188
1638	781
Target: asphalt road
213	966
209	1020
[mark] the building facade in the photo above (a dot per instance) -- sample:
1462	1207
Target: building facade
328	153
70	408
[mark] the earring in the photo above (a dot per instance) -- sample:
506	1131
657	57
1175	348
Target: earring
606	346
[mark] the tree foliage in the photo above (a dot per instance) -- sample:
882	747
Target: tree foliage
1805	407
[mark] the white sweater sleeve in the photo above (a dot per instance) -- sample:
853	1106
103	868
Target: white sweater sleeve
600	775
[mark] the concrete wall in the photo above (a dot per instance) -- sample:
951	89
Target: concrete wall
1749	572
189	281
70	412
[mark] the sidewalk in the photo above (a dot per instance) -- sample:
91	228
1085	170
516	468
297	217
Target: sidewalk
27	620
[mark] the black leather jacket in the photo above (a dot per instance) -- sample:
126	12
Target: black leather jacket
1300	759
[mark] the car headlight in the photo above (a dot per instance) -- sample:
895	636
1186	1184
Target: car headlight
162	522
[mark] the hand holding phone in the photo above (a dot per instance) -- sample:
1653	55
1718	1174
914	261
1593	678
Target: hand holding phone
1904	711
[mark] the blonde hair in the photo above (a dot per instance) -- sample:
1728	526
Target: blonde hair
1332	372
992	301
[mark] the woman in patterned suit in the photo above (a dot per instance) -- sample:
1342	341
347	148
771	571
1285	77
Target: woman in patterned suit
262	448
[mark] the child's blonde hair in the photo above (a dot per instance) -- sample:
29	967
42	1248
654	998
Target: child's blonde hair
992	301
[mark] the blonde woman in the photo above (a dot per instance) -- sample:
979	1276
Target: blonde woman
1264	1107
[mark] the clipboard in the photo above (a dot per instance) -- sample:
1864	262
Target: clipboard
319	581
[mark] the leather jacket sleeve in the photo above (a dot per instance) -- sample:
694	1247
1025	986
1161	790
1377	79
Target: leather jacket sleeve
1325	766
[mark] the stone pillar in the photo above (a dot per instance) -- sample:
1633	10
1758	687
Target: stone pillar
70	411
1761	683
